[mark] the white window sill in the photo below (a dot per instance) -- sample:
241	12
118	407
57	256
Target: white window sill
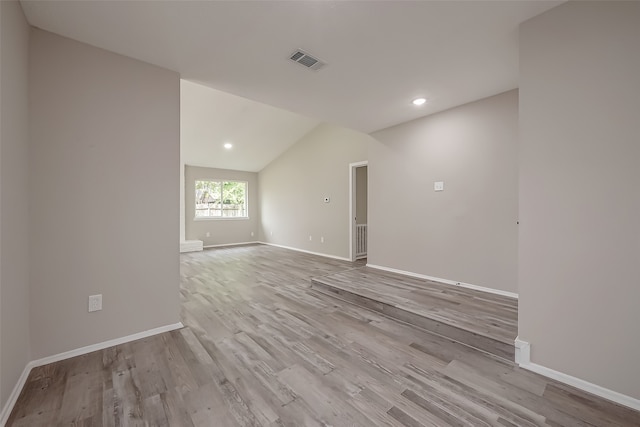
221	218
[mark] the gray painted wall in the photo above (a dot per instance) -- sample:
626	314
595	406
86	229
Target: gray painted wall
293	186
223	231
14	227
361	195
104	174
579	243
466	233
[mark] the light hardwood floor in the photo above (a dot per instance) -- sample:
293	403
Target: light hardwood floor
261	348
483	320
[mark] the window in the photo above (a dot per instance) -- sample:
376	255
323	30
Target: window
221	199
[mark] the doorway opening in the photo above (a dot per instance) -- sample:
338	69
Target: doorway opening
358	226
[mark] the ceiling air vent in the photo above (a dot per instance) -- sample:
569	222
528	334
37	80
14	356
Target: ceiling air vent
307	60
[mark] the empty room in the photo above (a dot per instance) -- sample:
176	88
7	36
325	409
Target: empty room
319	213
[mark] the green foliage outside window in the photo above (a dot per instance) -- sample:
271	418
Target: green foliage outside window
221	199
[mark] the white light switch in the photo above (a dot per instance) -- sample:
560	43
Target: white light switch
95	302
438	186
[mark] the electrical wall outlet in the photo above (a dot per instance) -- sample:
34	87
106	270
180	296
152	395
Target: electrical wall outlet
95	303
208	234
252	234
321	239
310	238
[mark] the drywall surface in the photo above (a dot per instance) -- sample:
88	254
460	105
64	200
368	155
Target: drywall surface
183	219
227	230
14	227
361	195
466	233
104	191
293	188
579	242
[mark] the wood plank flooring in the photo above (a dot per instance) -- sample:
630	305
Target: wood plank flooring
485	321
261	348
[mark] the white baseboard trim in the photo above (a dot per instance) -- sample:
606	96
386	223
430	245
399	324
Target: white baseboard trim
8	407
523	352
446	281
190	246
230	244
605	393
306	252
15	393
105	344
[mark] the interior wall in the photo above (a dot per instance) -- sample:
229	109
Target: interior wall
222	231
14	227
293	188
361	195
104	174
579	243
183	217
466	233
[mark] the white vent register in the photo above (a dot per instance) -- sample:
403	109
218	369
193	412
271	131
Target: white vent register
303	58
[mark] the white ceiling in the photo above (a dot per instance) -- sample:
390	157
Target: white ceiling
380	55
259	133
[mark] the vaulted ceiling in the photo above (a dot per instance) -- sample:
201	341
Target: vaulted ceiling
257	132
379	54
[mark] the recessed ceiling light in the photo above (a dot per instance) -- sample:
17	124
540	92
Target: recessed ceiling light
228	145
419	101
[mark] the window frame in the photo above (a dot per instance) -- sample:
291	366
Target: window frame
221	182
